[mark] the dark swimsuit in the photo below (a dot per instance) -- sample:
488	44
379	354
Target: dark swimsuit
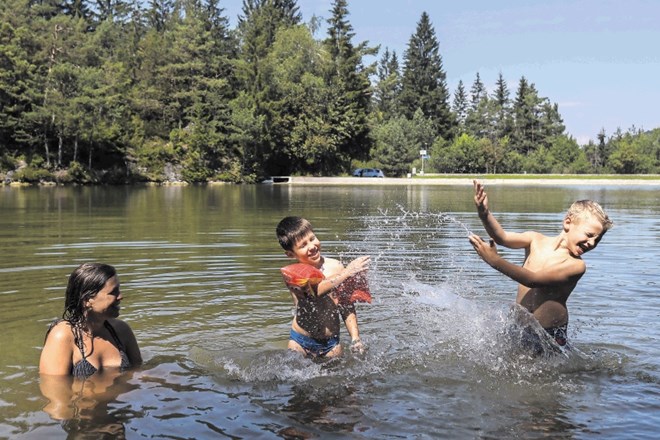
312	346
85	369
558	334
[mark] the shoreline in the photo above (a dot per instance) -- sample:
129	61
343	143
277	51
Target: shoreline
391	181
466	181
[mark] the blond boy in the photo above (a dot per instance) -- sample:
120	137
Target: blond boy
552	265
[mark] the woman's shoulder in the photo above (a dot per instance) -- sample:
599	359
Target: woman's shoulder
60	331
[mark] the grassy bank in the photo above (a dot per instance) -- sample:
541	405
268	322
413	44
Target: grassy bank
650	177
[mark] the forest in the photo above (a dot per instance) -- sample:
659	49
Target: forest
126	91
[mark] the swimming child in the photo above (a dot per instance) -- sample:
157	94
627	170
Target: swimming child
552	266
315	326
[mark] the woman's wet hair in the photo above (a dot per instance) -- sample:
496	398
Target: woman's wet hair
85	282
290	230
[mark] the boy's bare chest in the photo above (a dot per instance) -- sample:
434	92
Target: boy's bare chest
544	255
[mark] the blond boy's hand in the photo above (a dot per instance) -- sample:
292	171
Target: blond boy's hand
480	198
487	250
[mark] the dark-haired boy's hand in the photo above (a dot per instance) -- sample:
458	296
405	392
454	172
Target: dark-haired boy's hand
358	265
358	347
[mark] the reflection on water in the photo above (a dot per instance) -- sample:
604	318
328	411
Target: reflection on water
202	291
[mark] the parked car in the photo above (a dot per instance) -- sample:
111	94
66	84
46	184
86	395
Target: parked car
368	172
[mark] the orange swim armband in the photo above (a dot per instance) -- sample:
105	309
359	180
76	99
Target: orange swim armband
354	289
300	277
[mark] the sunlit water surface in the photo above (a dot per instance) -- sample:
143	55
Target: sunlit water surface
199	270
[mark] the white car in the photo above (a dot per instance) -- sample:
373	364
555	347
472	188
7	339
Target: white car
368	172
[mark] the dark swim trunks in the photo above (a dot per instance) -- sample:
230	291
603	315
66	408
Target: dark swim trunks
558	334
312	346
535	341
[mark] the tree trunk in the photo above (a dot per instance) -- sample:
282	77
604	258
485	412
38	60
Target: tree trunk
47	151
60	141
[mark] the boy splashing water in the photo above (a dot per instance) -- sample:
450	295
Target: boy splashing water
315	327
552	265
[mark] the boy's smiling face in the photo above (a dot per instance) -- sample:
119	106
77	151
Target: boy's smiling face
583	233
307	250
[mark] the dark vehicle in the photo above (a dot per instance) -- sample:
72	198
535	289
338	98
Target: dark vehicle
368	172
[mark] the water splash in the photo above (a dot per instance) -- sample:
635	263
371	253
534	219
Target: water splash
429	317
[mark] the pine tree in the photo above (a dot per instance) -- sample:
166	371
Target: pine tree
460	106
257	29
77	9
199	72
502	117
478	119
386	93
424	84
21	84
349	80
160	13
478	93
525	135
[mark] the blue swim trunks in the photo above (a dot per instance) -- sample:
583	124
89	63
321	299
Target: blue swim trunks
314	347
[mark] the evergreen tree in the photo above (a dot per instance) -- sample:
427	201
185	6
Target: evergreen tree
21	80
349	81
502	118
525	133
599	150
478	119
296	65
113	10
460	107
77	9
386	94
478	93
202	74
160	13
424	84
258	27
536	120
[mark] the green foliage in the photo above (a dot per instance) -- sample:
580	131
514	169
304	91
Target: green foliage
78	173
398	142
349	100
122	91
464	155
31	174
424	84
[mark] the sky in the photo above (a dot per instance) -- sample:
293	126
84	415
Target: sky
599	60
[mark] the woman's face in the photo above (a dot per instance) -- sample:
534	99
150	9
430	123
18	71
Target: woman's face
107	301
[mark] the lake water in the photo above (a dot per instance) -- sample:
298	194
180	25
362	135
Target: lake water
199	269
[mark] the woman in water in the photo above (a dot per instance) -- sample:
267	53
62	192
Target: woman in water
89	338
